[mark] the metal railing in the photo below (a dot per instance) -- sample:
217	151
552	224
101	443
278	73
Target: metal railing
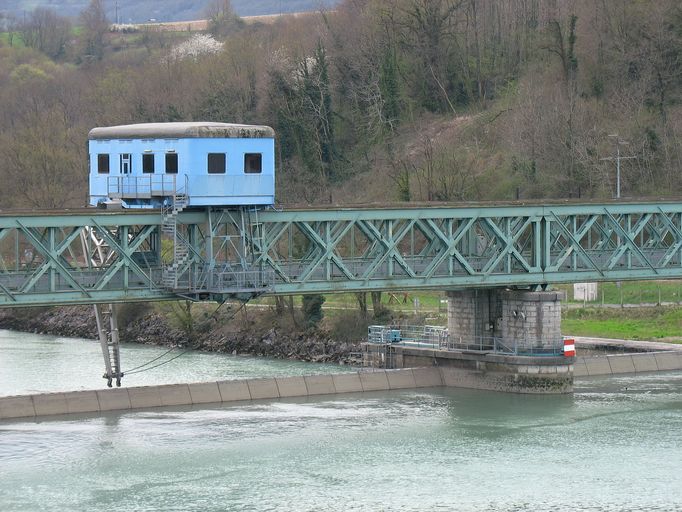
427	334
225	279
437	337
200	278
499	345
142	187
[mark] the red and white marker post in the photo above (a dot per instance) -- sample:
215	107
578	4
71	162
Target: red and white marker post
569	347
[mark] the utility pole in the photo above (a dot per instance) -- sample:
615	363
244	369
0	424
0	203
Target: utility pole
619	142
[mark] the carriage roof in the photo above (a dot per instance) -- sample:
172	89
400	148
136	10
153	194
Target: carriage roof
182	131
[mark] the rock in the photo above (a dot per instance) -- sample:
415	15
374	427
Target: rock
156	329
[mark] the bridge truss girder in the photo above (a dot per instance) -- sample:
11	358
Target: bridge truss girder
79	259
44	259
445	248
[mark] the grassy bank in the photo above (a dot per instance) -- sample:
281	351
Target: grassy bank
660	323
633	292
625	292
657	323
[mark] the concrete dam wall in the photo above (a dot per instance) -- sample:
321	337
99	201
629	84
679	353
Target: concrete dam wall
143	397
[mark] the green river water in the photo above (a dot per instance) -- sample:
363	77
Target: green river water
615	445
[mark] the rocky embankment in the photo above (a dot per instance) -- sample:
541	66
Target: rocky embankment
155	328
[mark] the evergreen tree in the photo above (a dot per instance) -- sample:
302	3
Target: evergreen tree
312	309
388	85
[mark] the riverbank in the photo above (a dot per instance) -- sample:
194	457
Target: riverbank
634	322
263	331
240	334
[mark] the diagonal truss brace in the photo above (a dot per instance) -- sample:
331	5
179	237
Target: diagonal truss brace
124	255
52	256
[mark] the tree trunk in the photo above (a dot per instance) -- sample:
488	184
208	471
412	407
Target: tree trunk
377	307
361	297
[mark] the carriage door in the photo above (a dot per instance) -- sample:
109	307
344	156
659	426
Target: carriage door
125	163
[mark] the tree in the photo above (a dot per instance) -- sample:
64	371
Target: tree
381	312
318	103
47	32
95	26
301	106
222	18
562	43
43	167
195	47
427	29
229	91
311	306
361	297
11	26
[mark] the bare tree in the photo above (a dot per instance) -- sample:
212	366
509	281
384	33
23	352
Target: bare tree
95	26
222	18
46	31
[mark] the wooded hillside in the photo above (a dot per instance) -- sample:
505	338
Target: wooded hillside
380	100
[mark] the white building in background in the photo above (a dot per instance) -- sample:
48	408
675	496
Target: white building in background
585	291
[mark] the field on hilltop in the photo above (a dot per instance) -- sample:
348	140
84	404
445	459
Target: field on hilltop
138	11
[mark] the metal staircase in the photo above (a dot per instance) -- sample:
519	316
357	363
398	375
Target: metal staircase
107	329
254	241
181	248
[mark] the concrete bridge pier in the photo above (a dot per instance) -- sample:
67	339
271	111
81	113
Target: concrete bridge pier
499	339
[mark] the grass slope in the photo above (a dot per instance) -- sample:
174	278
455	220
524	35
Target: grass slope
660	323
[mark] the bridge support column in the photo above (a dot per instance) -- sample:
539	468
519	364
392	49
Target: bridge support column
531	320
472	313
519	321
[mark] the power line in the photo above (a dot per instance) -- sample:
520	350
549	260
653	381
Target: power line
144	367
619	142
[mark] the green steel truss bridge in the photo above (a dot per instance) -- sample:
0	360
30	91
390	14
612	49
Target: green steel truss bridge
96	256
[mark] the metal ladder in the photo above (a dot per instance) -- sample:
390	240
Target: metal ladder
253	245
181	249
107	328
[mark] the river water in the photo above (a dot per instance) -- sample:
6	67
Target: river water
615	445
34	363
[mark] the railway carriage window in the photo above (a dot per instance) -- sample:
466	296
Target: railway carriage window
253	163
103	163
148	163
171	163
216	163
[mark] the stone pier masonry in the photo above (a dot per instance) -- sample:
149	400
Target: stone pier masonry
517	317
527	323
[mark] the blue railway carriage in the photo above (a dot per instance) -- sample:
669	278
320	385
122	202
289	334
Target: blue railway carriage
210	164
